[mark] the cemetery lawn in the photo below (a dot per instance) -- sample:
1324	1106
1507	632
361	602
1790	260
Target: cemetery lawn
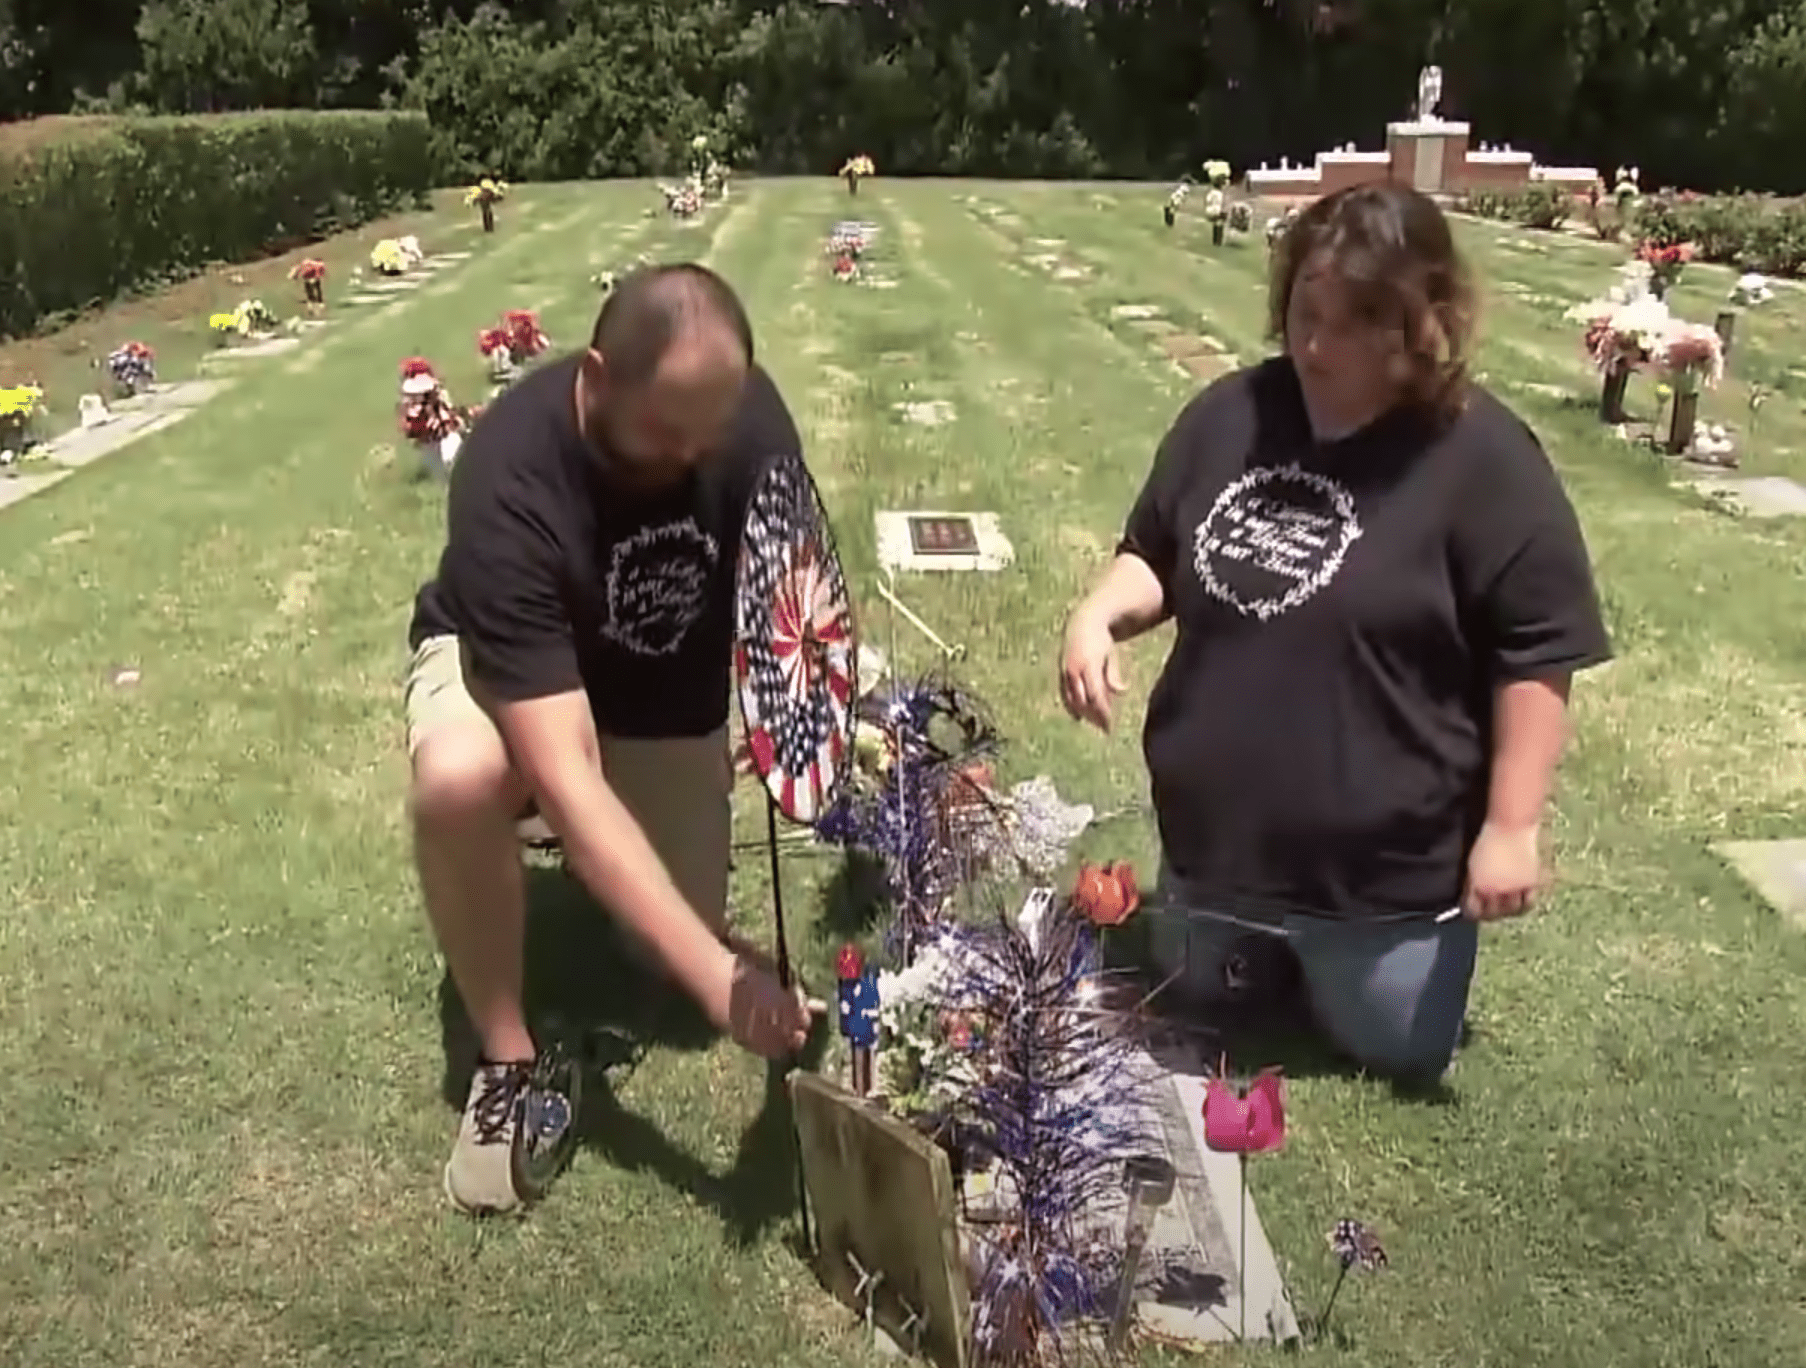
220	1009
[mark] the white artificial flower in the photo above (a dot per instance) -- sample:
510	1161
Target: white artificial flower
1750	289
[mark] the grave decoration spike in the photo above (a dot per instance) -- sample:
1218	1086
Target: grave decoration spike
931	742
1053	1094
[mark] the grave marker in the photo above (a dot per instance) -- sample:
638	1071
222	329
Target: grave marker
1775	869
933	539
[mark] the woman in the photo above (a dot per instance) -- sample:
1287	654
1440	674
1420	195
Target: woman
1381	594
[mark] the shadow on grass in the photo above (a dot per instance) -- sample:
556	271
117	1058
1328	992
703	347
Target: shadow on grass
1270	1026
585	990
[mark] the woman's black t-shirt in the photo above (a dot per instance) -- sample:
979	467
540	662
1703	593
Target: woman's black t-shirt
555	579
1320	738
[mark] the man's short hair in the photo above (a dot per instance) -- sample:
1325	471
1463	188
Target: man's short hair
650	308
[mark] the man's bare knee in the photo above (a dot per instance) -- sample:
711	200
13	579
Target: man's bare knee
462	775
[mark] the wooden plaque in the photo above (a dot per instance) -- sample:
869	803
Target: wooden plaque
883	1199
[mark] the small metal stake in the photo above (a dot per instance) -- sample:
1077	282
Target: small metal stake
1150	1181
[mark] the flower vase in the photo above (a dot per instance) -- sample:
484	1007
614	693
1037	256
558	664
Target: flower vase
852	185
1216	231
1611	393
1681	422
314	291
1725	325
1170	215
488	212
1659	285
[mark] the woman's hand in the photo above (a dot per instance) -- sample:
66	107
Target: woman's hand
1504	873
1090	669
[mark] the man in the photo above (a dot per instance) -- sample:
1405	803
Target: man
571	659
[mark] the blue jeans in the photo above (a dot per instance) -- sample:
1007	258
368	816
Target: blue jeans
1390	995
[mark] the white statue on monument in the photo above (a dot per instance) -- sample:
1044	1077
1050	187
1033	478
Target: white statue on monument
1429	94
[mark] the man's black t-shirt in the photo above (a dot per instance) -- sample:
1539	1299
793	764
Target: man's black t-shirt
1320	739
555	579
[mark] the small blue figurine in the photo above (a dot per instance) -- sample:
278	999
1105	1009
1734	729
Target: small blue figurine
858	1013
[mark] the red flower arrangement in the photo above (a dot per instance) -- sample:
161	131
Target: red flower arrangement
1665	262
525	339
312	275
492	340
1671	257
427	414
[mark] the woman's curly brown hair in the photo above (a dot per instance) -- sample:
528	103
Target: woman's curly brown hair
1391	248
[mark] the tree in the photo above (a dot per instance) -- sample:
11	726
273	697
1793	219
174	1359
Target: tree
203	56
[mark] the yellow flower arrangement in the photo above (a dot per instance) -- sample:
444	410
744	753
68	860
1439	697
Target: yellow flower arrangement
859	166
18	406
486	191
20	403
1217	172
249	317
388	258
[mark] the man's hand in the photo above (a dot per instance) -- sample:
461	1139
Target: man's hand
1504	873
761	1015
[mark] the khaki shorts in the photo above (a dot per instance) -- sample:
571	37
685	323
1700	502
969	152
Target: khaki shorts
678	789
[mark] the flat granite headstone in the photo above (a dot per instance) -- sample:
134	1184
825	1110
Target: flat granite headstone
1181	345
1775	869
84	446
1760	496
275	346
15	488
901	546
164	398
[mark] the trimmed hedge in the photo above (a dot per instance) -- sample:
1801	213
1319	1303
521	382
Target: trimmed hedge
1749	232
139	202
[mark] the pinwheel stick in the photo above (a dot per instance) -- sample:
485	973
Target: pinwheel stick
1241	1272
781	1069
1330	1305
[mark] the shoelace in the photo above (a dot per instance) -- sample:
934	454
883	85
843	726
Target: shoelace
494	1106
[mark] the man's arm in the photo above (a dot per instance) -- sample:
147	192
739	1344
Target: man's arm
553	743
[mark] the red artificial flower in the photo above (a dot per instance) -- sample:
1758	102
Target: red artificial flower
415	365
1245	1123
139	349
1666	257
311	269
849	963
492	340
522	329
1106	895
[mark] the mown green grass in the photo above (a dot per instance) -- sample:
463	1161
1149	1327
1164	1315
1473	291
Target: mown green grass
221	1006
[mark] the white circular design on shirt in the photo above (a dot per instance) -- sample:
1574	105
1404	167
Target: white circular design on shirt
1274	538
657	586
